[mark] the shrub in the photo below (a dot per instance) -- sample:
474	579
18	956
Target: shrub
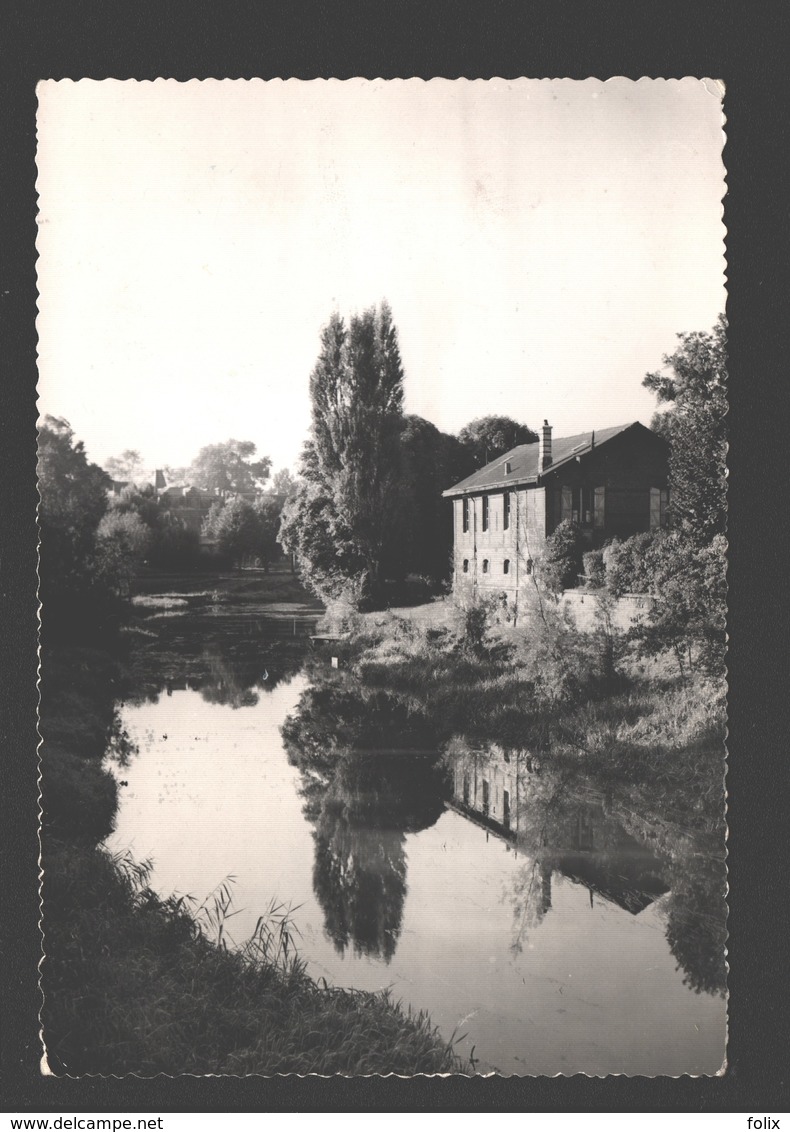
594	569
475	614
561	562
688	615
629	564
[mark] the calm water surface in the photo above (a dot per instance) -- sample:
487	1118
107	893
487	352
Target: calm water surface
552	961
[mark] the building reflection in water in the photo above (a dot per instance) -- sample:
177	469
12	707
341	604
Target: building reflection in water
545	817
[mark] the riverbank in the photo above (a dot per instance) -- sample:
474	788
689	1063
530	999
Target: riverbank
134	983
584	700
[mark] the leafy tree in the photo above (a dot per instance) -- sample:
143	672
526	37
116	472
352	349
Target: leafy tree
695	426
138	501
229	467
73	495
127	466
431	461
688	615
234	525
485	438
341	523
284	483
122	542
268	513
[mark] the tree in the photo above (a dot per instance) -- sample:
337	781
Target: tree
229	467
73	495
431	461
284	483
688	615
138	501
234	525
341	523
695	426
122	542
486	438
128	466
268	512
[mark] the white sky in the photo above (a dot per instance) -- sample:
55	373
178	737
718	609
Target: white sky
540	242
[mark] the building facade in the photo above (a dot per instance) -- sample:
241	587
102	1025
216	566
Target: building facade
612	483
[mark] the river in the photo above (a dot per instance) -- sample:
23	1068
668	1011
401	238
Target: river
536	925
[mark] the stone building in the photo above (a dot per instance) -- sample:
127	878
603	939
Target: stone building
612	483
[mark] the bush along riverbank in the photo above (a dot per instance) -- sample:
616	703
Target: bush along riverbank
136	983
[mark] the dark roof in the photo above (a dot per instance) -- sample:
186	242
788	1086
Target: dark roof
523	460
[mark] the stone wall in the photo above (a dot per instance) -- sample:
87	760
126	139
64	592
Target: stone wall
627	610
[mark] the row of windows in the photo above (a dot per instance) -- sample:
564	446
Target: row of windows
505	566
485	512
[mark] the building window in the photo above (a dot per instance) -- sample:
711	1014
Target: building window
485	565
506	511
599	503
582	506
465	509
659	497
485	512
466	565
506	566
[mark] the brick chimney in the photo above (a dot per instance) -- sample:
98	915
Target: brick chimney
544	449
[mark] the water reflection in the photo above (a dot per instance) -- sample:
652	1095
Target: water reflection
565	825
227	653
369	777
371	772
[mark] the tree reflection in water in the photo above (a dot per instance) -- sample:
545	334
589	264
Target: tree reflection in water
367	780
697	923
228	663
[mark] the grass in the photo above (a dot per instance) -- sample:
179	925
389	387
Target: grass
134	983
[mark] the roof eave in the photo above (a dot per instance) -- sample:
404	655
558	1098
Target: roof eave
520	481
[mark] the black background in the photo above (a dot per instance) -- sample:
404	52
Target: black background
742	43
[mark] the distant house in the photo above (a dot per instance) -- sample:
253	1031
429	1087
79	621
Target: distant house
611	482
184	506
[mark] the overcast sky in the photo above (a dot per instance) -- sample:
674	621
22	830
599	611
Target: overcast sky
540	244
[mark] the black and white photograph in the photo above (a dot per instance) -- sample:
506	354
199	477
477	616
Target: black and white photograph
382	460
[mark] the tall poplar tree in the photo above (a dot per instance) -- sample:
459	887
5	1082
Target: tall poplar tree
343	521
